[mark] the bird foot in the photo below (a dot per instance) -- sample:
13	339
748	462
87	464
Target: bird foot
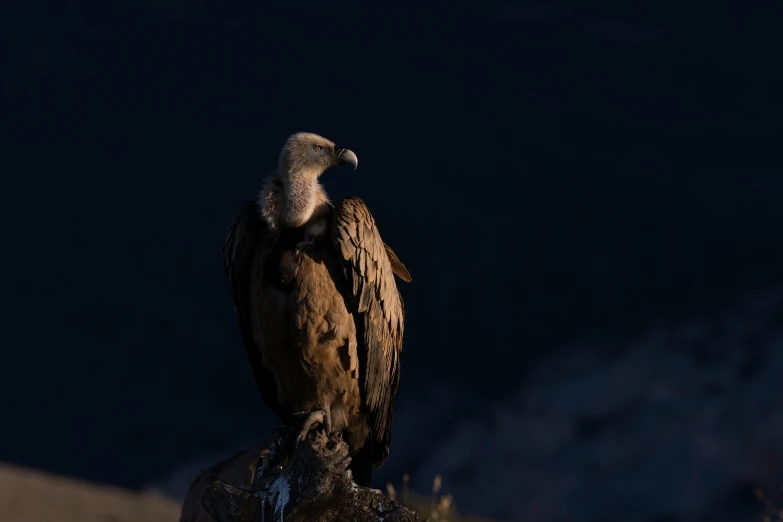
308	420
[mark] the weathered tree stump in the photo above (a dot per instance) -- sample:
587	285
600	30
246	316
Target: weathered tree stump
270	482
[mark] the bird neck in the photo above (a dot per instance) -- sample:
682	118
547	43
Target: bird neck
292	201
301	195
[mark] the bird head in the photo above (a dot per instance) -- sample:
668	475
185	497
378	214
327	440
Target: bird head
307	154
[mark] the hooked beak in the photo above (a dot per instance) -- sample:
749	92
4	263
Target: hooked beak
345	157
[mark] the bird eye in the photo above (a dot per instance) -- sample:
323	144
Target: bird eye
317	148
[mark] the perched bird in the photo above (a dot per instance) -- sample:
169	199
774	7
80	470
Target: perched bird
318	307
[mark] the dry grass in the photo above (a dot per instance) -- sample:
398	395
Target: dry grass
435	508
772	511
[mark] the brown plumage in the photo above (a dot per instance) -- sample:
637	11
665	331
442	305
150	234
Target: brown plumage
318	307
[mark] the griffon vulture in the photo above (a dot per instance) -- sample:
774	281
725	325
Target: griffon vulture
318	307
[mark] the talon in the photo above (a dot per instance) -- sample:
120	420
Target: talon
309	420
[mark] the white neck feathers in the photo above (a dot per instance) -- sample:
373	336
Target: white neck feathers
291	202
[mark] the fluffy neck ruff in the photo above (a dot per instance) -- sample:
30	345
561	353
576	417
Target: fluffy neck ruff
291	202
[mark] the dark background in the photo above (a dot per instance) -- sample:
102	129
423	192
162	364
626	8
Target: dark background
547	172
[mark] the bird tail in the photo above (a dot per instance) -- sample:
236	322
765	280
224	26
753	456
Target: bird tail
361	465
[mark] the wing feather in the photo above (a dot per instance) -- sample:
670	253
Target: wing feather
397	265
244	250
375	299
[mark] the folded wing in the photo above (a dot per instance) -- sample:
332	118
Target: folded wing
369	266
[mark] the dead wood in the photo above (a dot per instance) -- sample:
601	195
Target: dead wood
269	482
